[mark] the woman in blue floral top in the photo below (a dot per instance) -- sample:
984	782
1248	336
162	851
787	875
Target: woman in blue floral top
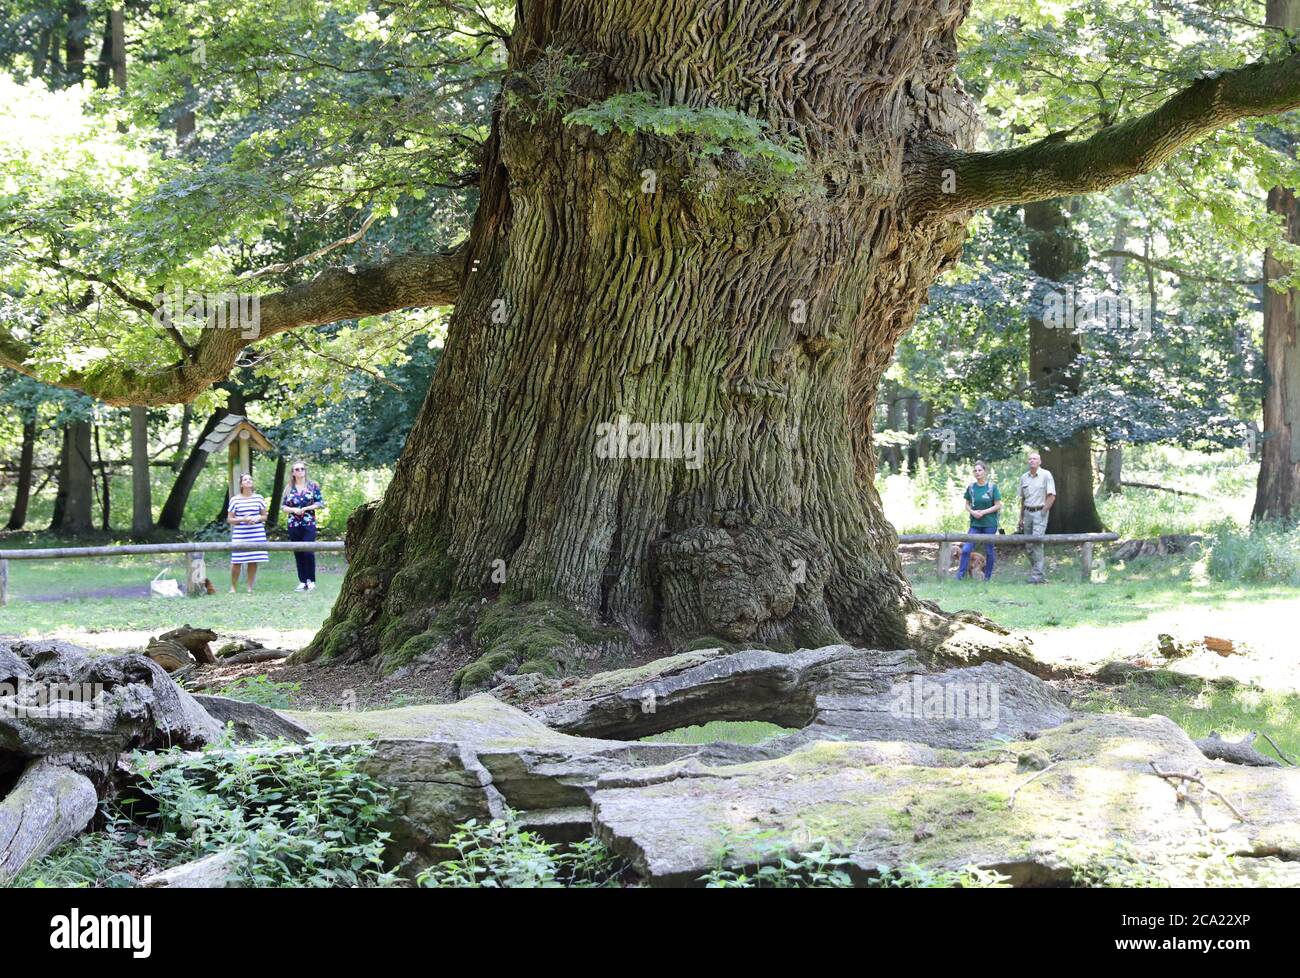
301	501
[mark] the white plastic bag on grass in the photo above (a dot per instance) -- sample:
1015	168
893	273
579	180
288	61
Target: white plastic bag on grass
168	588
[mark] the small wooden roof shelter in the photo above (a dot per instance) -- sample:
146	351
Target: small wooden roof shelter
240	436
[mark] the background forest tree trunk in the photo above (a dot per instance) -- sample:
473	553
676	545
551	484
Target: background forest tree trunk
183	445
105	492
78	29
141	491
173	509
587	299
894	422
1057	256
1113	470
23	486
73	503
277	490
1277	493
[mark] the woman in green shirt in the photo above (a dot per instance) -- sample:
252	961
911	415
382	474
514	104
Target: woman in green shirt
983	503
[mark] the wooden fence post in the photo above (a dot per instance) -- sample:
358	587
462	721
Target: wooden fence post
198	574
945	559
4	583
1087	563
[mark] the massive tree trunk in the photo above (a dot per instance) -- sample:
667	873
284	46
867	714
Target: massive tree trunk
23	487
588	299
72	505
1277	494
1054	369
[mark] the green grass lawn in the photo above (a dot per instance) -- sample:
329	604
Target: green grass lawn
1201	707
274	613
1116	595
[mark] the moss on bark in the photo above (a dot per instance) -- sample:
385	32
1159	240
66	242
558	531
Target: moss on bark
534	636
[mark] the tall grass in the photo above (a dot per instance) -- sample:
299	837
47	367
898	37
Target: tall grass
1266	553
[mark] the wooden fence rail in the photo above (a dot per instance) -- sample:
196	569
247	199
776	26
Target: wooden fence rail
198	569
1086	542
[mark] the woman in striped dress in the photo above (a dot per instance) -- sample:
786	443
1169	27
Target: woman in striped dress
247	519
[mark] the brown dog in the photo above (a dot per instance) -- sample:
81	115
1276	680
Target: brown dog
976	559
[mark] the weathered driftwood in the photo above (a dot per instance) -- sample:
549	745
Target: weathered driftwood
221	869
48	806
1235	752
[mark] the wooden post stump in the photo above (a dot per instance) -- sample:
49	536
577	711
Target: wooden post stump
198	574
945	560
1087	563
4	583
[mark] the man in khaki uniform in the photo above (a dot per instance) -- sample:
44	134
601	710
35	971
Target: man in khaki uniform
1037	493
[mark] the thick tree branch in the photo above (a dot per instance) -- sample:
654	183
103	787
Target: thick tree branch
941	180
1173	268
334	294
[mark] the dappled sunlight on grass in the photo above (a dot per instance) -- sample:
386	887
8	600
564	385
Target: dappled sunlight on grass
1201	708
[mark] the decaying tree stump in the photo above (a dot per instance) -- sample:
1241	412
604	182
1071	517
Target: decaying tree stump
197	641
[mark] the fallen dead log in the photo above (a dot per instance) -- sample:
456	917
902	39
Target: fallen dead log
1235	752
58	699
1158	488
49	805
255	655
836	692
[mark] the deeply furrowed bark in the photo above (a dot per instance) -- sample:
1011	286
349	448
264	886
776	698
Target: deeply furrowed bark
588	299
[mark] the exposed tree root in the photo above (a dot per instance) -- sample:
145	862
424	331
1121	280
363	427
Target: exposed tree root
967	638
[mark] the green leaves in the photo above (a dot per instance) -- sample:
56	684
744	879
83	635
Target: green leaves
708	131
303	816
499	854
